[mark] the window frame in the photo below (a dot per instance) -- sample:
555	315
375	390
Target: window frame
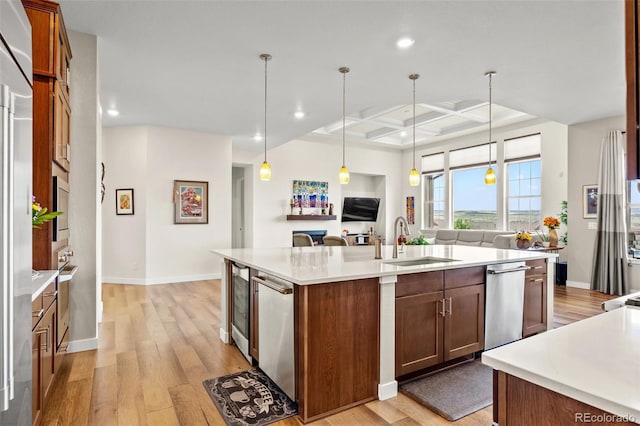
508	197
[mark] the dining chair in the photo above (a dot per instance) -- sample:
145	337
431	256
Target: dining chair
302	240
333	240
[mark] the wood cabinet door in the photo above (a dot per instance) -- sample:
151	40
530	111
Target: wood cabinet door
48	348
254	306
419	328
62	129
37	337
464	321
535	305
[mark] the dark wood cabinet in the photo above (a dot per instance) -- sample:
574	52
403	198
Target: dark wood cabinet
535	298
254	306
439	317
43	348
51	117
632	32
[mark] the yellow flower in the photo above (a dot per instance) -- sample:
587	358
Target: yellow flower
197	198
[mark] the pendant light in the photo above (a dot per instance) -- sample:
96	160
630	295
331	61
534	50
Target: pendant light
343	175
414	176
265	169
490	175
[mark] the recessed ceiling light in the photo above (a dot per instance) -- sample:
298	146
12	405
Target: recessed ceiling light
299	115
405	42
403	134
257	137
113	112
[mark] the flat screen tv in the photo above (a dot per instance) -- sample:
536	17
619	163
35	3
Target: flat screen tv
360	209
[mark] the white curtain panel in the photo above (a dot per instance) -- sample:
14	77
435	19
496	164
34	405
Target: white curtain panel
610	257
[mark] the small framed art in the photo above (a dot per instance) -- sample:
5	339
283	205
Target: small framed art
191	199
590	201
124	201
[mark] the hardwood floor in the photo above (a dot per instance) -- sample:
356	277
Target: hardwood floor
158	343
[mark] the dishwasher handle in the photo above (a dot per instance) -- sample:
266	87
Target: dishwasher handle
272	285
507	271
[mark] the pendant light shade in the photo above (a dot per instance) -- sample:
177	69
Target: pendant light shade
414	176
265	169
343	175
490	175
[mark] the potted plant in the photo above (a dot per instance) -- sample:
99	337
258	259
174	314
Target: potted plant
552	223
544	238
523	240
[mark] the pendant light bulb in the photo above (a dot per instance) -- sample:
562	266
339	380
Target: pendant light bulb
490	175
343	175
414	176
265	169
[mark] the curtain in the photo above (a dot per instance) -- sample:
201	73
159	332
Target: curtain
610	258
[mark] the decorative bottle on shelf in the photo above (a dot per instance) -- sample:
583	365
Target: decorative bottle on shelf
402	239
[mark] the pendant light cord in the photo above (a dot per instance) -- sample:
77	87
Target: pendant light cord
265	108
414	123
490	116
344	91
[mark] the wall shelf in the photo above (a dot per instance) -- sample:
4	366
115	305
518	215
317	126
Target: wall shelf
311	217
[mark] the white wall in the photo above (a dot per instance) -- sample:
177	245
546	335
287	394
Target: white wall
149	159
554	137
585	140
84	199
304	160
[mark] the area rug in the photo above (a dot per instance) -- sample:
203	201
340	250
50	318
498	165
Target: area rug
454	393
249	398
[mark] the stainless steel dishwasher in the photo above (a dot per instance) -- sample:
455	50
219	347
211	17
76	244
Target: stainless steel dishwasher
275	334
504	303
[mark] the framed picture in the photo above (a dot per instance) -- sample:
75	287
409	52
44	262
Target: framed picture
191	199
124	201
590	201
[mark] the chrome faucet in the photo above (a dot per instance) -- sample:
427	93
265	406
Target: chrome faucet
395	234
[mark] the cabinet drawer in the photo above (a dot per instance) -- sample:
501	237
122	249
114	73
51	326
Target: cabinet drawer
412	284
36	311
49	295
538	267
463	277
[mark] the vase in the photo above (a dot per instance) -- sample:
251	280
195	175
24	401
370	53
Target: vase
523	244
553	238
545	244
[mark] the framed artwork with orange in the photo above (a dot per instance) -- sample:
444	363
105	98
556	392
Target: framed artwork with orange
124	201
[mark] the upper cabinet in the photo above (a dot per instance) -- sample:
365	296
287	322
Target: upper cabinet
51	118
633	117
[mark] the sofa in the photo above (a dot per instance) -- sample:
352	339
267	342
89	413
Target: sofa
472	237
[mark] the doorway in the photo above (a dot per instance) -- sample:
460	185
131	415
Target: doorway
237	207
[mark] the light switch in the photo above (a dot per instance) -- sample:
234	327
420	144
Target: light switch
592	225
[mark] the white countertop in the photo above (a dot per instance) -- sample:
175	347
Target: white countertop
595	361
41	282
320	264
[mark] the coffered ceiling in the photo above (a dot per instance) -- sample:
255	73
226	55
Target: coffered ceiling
195	65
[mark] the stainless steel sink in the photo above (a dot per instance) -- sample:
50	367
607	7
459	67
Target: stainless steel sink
420	261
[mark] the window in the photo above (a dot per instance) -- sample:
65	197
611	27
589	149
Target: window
524	182
524	195
474	202
433	184
634	205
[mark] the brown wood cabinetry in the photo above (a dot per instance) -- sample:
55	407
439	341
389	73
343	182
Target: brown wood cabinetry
439	317
632	34
535	298
51	117
43	348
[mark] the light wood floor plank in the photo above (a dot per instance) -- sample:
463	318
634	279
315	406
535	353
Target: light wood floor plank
157	343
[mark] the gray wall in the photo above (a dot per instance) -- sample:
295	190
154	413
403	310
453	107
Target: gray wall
585	140
84	200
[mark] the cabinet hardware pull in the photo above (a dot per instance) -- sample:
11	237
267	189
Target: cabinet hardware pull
450	306
272	286
443	313
538	280
44	331
37	314
51	294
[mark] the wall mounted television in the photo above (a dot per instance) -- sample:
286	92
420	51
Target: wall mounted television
360	209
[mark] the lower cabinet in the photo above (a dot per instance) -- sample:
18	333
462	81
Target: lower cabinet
43	367
434	323
535	299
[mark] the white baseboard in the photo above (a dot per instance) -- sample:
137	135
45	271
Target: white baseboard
578	284
387	390
162	280
83	345
224	336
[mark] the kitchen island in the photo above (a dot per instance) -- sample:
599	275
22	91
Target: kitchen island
345	319
585	372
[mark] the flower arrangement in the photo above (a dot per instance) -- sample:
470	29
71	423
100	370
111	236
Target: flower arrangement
39	214
420	240
551	222
523	235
